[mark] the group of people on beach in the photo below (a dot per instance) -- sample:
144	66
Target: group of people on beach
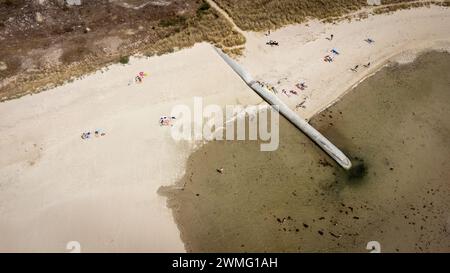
367	65
269	87
88	135
301	85
329	58
355	69
166	121
300	105
139	78
272	43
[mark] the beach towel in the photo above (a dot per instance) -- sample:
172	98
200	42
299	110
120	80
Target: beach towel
334	51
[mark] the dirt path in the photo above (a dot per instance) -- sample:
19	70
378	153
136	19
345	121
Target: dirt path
225	14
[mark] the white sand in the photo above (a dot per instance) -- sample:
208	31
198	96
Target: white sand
102	192
56	188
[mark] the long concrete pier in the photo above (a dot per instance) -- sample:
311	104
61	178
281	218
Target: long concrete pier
290	115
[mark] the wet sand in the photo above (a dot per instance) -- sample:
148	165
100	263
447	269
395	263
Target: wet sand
395	126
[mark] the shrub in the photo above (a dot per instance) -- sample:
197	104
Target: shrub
124	59
203	7
174	21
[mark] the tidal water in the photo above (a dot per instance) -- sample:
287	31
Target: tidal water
395	126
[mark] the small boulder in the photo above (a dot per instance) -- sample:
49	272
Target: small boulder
73	2
3	66
373	2
39	17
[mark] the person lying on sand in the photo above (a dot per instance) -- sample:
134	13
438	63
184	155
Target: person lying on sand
98	133
86	135
293	92
300	105
166	121
284	92
273	89
301	86
272	43
334	51
369	40
328	59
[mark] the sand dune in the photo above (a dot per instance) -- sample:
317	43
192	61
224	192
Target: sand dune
56	187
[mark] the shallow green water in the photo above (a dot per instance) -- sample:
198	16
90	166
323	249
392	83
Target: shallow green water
396	124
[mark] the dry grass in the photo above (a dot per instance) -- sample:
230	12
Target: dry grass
234	52
206	26
259	15
404	4
389	2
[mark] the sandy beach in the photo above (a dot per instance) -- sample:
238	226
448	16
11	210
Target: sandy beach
299	57
56	187
102	192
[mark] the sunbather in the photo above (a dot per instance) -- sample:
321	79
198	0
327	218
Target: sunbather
284	92
355	69
301	86
328	59
300	105
86	135
272	43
